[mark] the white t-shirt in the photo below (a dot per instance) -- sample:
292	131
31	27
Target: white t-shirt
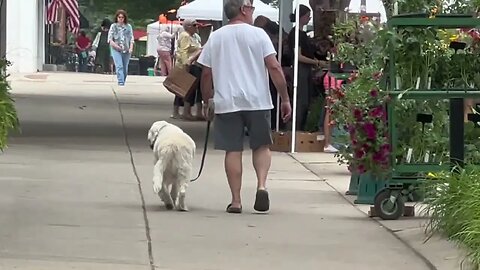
236	55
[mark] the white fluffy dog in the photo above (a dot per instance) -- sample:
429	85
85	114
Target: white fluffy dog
173	151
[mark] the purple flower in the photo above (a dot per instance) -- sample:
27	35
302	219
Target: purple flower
359	153
385	148
357	113
379	157
370	130
351	129
374	92
361	168
366	147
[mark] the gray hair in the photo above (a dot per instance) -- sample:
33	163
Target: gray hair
232	7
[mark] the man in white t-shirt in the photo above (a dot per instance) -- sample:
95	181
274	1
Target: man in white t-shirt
237	60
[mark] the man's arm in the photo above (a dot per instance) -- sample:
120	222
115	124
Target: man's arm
278	78
206	85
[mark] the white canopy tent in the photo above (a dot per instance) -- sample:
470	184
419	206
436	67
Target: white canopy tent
153	30
212	10
372	6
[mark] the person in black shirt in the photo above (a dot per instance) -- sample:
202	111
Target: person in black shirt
306	61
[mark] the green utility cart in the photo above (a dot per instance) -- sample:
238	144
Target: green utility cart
406	179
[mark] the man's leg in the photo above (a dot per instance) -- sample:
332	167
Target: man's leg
228	134
259	128
262	159
233	169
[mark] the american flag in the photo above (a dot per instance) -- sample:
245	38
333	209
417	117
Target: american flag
73	14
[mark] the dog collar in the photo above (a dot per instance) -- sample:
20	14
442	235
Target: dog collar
156	136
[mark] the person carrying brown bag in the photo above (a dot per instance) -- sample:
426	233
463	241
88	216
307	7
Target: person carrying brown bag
188	50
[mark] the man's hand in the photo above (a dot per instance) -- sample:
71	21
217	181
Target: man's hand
278	78
209	110
286	111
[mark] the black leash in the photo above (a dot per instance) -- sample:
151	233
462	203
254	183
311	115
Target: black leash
204	152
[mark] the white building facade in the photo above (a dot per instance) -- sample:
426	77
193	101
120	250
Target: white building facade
25	35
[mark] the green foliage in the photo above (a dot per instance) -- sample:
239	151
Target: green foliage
453	204
357	43
8	114
314	114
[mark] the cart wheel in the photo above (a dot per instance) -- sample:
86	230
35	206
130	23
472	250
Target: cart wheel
386	210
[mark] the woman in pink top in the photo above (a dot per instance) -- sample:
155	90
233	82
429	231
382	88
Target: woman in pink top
164	50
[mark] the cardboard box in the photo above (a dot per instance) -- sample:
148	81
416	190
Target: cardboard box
305	142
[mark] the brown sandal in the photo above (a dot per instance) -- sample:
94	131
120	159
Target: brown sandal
234	210
262	202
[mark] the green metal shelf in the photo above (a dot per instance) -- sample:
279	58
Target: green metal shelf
436	93
415	168
440	22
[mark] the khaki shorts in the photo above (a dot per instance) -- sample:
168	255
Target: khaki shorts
229	130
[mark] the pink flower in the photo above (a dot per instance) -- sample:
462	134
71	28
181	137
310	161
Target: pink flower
374	92
385	148
377	76
377	112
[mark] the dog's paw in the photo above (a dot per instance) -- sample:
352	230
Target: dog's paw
157	186
169	206
182	208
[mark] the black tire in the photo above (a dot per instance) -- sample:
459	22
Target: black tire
398	207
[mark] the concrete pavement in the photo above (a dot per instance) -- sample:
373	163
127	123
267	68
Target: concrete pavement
76	193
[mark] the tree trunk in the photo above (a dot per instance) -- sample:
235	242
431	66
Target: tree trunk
3	28
324	16
388	4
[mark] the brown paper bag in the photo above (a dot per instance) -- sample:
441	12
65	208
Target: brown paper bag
180	82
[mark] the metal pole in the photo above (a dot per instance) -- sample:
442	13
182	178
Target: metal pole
363	6
456	132
224	17
280	48
295	75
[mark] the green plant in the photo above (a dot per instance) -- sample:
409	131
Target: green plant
453	204
8	114
355	42
314	114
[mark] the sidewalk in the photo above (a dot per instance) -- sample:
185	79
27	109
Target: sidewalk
442	254
76	193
